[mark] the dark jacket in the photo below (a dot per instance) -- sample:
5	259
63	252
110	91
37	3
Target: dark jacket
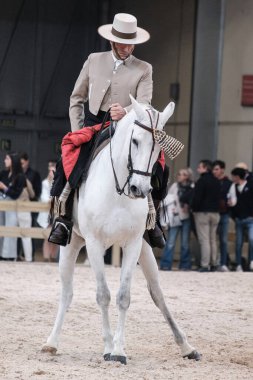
185	194
15	187
225	184
206	194
34	178
244	205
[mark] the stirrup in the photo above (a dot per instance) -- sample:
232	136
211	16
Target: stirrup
61	231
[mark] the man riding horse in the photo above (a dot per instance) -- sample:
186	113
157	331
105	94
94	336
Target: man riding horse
105	82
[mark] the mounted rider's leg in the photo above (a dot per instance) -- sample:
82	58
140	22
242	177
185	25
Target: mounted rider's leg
61	229
159	182
149	267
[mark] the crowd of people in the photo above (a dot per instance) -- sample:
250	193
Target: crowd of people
205	208
18	181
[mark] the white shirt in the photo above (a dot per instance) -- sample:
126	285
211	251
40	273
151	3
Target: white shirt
117	62
232	192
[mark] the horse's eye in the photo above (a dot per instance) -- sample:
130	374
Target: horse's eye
135	142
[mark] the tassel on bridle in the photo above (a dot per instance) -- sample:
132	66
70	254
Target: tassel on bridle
151	218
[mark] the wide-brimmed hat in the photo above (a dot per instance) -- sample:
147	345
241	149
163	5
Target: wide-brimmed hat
124	30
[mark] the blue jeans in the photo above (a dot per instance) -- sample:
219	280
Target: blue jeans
223	238
168	253
240	225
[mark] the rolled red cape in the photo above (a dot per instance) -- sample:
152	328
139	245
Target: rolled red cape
71	145
161	159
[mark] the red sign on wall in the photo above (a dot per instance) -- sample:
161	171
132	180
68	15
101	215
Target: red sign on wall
247	91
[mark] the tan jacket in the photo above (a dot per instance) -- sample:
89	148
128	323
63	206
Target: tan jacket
99	84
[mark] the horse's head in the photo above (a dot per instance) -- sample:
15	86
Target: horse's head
143	150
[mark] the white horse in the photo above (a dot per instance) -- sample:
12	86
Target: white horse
103	217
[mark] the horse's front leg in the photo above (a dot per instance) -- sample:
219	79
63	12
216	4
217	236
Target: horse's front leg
149	267
95	252
131	254
68	256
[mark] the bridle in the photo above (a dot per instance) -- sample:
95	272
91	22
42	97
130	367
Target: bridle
131	170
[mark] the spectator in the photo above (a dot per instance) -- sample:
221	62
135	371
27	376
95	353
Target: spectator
225	183
12	187
182	192
205	207
34	177
249	175
50	250
242	212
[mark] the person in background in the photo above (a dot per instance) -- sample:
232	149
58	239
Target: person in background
182	190
35	180
205	207
242	213
50	250
249	175
32	175
225	183
12	187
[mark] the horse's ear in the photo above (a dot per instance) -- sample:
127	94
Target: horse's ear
167	112
140	113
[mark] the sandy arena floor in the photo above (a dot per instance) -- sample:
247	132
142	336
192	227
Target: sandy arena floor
215	310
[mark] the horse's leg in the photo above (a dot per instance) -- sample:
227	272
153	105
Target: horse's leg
129	262
149	267
68	256
95	252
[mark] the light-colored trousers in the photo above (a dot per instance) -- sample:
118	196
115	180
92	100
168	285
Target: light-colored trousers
8	245
206	226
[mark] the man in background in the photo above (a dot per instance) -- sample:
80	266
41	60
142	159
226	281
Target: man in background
225	183
205	207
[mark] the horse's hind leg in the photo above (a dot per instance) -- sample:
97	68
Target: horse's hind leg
149	267
68	256
96	258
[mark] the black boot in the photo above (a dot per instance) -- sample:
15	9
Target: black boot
156	237
61	231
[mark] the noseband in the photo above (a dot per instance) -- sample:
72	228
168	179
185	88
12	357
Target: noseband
130	168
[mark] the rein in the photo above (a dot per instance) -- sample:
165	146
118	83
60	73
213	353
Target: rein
130	168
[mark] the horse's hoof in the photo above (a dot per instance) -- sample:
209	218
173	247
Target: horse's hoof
107	357
49	350
194	355
118	358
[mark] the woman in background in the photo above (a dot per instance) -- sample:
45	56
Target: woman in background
179	220
50	250
12	187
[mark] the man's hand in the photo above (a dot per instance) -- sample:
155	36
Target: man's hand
117	112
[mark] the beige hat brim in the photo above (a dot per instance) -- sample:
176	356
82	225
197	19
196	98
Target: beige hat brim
106	32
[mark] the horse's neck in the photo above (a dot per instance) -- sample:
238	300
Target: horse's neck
120	146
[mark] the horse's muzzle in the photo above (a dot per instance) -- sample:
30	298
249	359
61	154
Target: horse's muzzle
138	193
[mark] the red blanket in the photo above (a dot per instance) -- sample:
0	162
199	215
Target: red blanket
71	145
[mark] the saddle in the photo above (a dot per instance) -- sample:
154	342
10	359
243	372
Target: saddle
78	151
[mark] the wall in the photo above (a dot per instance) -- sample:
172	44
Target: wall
236	122
44	44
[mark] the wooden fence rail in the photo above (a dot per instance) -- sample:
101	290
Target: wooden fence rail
24	206
36	232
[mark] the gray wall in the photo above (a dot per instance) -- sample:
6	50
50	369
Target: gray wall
43	45
206	81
